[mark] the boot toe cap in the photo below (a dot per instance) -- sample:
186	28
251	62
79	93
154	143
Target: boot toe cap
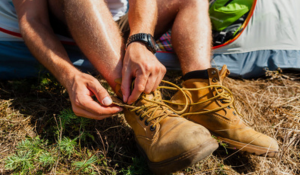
265	142
182	139
251	141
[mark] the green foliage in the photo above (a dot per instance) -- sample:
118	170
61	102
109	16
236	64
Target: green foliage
34	155
48	83
46	159
67	146
85	166
224	145
67	117
59	151
34	145
27	155
139	166
71	123
21	161
44	82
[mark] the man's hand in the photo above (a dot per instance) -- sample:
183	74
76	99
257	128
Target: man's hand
141	64
81	88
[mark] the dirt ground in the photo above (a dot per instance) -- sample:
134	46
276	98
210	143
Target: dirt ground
39	134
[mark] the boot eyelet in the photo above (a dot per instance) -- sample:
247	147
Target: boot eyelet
228	107
152	128
137	113
222	101
213	72
146	123
234	113
141	118
214	80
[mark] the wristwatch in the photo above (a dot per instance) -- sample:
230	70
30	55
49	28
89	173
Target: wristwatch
145	38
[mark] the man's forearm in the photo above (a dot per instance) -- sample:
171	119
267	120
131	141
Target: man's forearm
142	16
47	49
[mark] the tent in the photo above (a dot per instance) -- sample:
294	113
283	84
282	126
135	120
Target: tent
269	39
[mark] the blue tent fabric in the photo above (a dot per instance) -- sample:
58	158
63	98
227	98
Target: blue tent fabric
271	40
253	64
16	61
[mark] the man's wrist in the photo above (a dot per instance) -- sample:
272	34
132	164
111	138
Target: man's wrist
147	39
67	76
138	45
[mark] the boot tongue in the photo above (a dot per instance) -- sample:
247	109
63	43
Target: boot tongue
142	101
223	73
148	96
154	96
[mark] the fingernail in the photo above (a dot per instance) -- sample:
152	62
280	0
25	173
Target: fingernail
124	100
120	109
107	101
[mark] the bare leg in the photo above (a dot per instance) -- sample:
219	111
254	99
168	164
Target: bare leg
191	31
97	35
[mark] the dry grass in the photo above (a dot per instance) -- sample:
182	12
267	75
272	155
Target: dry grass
31	108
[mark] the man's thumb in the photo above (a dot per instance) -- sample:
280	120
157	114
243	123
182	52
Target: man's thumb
101	94
107	101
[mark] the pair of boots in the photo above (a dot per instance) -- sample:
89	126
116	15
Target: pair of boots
173	142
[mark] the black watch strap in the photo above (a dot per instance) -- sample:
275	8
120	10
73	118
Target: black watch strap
147	39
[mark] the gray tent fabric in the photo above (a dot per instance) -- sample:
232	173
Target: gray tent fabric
271	40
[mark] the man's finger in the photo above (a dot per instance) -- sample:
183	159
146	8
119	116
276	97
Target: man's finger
157	82
88	104
150	84
139	87
160	77
90	115
126	83
101	93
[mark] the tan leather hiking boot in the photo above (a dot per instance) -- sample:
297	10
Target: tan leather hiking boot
212	106
168	141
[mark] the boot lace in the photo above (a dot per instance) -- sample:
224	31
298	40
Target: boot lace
222	93
156	110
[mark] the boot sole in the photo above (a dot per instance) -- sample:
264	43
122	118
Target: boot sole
183	160
247	147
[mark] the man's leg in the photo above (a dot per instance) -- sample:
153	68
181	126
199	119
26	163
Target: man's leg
191	31
92	27
191	39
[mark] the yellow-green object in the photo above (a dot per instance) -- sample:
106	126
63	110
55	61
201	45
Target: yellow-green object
225	12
